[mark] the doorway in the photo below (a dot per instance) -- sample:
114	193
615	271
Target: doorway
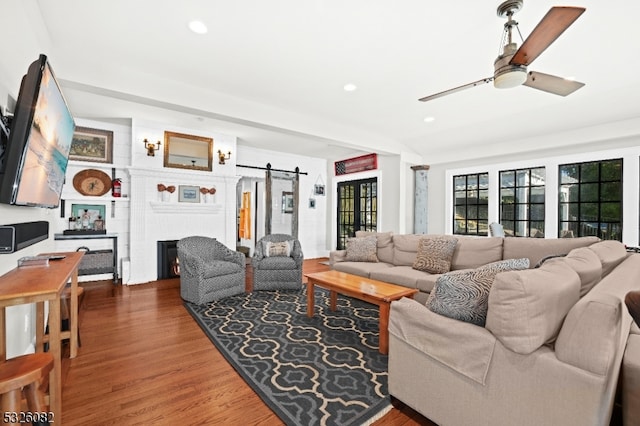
357	208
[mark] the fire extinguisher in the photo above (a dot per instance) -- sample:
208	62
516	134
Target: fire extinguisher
116	187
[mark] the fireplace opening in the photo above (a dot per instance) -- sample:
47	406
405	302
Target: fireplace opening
168	262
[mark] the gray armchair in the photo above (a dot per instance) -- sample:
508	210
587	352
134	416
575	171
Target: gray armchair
209	270
277	271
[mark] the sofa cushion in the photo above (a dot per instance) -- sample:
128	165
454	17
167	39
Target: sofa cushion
610	253
472	252
586	263
362	249
537	248
405	248
401	275
463	295
526	308
384	244
362	269
435	253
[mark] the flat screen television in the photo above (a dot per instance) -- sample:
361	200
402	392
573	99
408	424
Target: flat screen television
34	161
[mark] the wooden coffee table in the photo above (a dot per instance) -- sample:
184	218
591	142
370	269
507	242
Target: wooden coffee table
372	291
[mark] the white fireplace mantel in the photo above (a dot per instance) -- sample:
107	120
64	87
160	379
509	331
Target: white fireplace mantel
152	220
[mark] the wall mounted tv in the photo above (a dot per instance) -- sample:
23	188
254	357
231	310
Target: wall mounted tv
34	160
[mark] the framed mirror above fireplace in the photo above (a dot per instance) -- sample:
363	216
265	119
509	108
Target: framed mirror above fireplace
191	152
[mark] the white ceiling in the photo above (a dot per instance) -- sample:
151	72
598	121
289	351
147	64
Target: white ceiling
272	72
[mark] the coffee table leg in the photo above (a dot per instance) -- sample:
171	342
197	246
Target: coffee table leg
383	347
333	299
310	298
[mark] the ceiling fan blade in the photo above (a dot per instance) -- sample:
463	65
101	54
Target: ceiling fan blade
557	19
457	89
551	83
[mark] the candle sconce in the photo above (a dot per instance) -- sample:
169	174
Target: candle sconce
151	147
222	157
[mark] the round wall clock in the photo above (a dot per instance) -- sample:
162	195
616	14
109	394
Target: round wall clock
92	182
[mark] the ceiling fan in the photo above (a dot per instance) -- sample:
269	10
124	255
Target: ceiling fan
510	68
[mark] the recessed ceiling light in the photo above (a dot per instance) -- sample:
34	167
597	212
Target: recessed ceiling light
350	87
429	119
198	27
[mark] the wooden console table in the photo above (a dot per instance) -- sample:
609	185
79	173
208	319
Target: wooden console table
38	284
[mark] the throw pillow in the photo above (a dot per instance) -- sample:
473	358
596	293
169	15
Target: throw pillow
435	253
464	295
277	249
362	249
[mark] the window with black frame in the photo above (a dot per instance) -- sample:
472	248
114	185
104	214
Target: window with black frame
471	204
522	194
590	199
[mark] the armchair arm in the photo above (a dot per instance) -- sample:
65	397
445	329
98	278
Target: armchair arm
233	256
336	256
191	265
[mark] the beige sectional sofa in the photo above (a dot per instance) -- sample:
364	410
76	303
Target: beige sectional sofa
551	350
397	253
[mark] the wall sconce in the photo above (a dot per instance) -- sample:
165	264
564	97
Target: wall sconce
222	157
151	147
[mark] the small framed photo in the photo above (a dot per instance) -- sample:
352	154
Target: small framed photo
312	203
287	202
188	194
89	214
318	189
91	145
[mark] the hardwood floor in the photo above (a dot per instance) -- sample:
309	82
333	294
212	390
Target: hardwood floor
144	360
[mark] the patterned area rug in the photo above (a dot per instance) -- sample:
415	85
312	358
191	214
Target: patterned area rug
324	370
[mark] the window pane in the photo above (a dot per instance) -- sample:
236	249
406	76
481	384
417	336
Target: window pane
483	197
610	212
537	229
472	212
537	194
611	191
472	182
522	195
460	197
538	176
522	212
590	172
589	192
588	212
507	179
483	212
507	196
569	173
507	212
611	170
522	177
537	212
483	181
460	182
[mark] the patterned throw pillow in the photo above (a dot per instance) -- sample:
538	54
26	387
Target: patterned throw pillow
435	254
464	295
362	249
277	249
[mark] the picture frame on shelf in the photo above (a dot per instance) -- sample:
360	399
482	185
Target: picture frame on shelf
93	145
188	194
94	212
287	202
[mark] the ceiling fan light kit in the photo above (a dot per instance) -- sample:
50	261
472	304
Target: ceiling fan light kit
510	68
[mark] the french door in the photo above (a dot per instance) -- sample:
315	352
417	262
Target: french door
357	208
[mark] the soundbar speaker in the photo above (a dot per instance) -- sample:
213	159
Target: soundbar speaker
20	235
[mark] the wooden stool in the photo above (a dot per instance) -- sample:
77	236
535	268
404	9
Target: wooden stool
65	315
23	374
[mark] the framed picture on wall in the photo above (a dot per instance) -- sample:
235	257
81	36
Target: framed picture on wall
318	189
312	203
188	194
287	202
91	145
